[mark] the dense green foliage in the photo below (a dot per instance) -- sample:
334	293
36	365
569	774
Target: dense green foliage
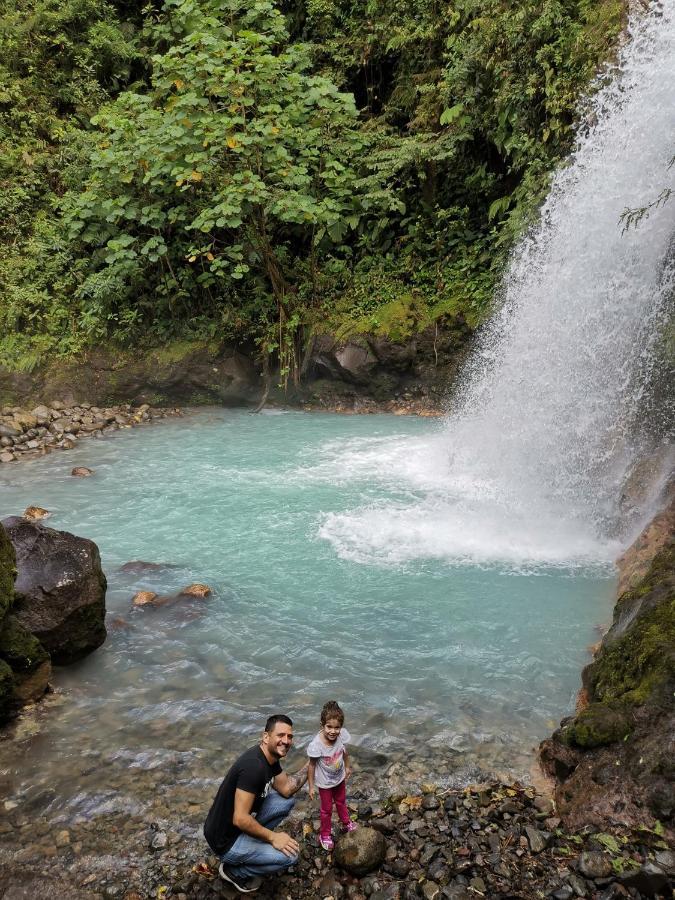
226	169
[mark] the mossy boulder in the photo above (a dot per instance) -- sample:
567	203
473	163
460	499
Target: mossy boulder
7	572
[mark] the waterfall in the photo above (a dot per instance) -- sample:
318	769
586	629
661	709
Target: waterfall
550	424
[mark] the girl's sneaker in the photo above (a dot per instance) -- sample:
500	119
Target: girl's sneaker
326	842
349	826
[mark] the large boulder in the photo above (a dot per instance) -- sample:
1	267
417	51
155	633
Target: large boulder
60	589
361	851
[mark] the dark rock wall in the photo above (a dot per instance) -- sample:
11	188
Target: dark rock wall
615	759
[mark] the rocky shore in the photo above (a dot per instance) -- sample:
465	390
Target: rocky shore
28	434
491	840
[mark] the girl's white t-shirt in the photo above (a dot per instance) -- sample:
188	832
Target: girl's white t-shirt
330	764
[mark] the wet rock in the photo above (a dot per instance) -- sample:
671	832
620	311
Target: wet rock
595	864
360	851
430	890
35	513
144	598
142	567
6	456
60	589
196	590
82	472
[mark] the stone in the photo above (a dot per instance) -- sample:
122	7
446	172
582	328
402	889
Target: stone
595	864
665	859
196	590
538	839
82	472
35	513
159	841
62	838
430	890
60	589
648	880
144	598
6	457
360	852
563	893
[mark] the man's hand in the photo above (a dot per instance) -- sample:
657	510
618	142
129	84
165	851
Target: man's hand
285	843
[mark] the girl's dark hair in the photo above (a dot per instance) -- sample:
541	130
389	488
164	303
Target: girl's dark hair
331	710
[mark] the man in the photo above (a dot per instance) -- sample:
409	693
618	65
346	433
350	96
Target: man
240	825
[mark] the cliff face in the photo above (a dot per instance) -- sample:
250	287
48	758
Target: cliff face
614	761
366	373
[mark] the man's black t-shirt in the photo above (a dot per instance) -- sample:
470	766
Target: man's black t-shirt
251	773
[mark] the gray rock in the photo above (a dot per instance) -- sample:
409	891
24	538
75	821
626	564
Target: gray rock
360	851
563	893
60	589
665	859
538	839
594	864
649	880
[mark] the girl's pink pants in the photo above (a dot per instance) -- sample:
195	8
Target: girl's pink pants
337	795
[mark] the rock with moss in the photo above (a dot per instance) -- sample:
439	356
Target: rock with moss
29	661
614	760
7	572
60	589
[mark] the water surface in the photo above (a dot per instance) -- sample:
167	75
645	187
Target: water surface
460	657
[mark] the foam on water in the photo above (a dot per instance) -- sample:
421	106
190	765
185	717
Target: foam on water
551	421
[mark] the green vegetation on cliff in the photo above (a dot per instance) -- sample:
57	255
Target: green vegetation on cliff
221	169
637	668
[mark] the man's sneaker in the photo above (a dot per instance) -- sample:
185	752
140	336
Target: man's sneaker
348	826
243	885
326	842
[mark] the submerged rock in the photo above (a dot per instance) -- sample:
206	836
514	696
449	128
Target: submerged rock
60	589
82	472
144	598
196	590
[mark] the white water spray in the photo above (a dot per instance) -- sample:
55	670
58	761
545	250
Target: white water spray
531	468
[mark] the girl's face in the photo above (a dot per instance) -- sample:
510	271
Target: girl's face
331	730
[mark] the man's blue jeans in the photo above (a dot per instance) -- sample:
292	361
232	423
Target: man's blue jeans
248	856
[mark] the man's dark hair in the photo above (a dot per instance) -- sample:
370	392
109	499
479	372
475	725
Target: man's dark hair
272	721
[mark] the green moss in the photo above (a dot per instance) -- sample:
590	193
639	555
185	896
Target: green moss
7	572
175	351
19	648
637	669
6	691
598	725
632	668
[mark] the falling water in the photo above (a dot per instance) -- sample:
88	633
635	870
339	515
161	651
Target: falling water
532	465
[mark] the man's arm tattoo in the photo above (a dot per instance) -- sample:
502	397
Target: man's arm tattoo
297	780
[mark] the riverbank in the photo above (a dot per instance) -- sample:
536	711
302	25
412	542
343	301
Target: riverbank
490	840
32	433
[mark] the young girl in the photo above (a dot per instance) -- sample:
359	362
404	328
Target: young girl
329	769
